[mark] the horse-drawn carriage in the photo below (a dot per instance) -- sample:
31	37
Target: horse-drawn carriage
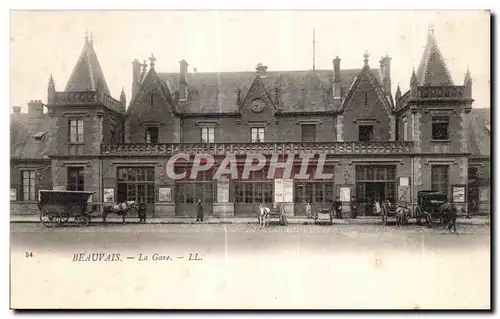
430	207
60	207
401	213
265	214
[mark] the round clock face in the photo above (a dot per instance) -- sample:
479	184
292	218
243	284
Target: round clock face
257	105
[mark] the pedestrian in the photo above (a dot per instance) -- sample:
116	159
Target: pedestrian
308	210
378	209
338	208
141	211
354	207
199	216
451	211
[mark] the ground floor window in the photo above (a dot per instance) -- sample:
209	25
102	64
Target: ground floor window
28	184
376	183
75	179
439	178
190	193
313	192
253	193
136	183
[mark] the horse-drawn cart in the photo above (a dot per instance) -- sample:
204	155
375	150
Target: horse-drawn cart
400	213
324	214
429	205
60	207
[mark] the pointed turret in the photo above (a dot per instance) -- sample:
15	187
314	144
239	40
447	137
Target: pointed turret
87	74
397	96
413	84
366	57
432	70
51	90
468	84
123	101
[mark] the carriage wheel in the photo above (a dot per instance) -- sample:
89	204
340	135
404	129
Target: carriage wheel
418	215
50	218
82	220
428	219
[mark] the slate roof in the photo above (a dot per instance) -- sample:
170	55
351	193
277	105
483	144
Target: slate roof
298	91
30	138
87	74
480	132
432	70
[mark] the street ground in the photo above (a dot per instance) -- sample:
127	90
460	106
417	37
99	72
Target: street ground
246	265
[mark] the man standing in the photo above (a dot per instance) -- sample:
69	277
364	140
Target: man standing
354	207
308	210
199	216
338	208
141	211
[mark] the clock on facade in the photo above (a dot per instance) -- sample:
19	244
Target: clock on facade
257	105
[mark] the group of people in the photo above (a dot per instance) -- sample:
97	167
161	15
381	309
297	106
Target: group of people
336	207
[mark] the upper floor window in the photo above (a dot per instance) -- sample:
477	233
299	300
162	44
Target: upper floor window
440	127
308	132
366	97
365	133
28	184
207	135
405	130
76	131
257	134
151	98
152	135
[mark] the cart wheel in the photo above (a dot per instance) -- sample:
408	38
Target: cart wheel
50	218
82	220
428	219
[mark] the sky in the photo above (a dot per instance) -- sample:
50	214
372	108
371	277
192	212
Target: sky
49	42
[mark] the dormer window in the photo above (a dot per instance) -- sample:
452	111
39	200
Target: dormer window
152	135
151	99
365	133
207	134
257	134
366	97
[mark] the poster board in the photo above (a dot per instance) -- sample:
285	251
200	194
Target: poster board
13	194
345	194
287	191
109	195
165	194
278	190
404	181
484	195
223	190
458	194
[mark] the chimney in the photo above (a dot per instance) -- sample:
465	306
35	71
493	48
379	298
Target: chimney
35	109
183	84
337	86
261	70
136	77
17	109
385	68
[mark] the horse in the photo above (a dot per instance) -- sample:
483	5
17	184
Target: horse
121	209
263	215
448	212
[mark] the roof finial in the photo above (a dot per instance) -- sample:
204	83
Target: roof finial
366	56
152	60
314	49
91	39
86	35
431	30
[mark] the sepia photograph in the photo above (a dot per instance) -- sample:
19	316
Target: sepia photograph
250	159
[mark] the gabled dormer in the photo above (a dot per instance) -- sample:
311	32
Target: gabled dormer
152	116
366	111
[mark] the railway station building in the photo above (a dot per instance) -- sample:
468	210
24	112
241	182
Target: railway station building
368	142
